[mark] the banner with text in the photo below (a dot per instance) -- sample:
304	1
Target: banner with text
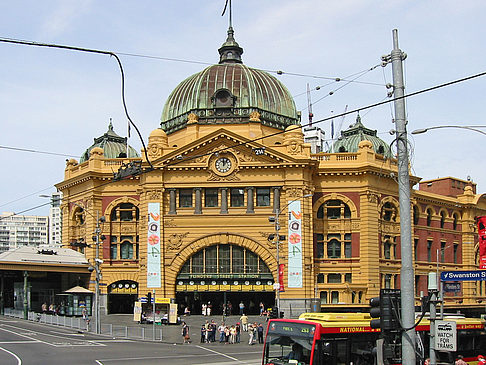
482	241
153	246
295	245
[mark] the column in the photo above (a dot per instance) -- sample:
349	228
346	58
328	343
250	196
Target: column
250	204
198	205
172	201
276	199
224	201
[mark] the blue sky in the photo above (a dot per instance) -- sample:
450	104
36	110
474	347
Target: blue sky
58	101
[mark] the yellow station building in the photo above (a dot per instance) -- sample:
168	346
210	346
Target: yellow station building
229	154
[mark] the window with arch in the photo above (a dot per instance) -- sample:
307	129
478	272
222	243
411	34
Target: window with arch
387	249
389	212
416	215
455	220
429	216
79	216
124	212
334	209
442	219
333	249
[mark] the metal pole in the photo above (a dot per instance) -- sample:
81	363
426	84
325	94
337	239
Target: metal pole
406	273
26	302
277	238
432	316
97	268
153	314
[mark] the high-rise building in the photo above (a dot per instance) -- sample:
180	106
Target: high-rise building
22	230
55	220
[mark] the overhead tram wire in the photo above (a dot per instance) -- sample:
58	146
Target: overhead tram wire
26	196
35	151
24	211
176	161
89	50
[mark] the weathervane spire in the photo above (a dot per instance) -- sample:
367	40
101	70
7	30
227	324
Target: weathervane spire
230	12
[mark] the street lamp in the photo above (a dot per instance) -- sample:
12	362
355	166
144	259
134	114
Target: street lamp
276	237
97	238
470	127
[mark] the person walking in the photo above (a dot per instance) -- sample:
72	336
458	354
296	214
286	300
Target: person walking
185	333
238	332
251	332
262	308
242	308
244	322
260	333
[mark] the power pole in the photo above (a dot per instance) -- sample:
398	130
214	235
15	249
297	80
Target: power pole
407	276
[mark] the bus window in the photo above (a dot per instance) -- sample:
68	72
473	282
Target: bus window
288	350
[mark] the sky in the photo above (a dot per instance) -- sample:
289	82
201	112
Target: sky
57	101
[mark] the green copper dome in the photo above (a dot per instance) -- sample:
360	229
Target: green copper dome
350	138
227	93
113	146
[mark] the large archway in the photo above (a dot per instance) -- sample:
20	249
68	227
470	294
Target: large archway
224	273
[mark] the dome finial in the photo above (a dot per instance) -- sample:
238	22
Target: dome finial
110	126
230	51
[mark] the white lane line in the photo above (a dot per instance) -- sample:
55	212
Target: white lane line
98	362
11	353
15	342
68	334
220	353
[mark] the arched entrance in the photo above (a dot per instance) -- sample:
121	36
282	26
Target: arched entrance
121	296
224	272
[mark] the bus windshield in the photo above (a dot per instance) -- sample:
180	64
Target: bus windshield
289	343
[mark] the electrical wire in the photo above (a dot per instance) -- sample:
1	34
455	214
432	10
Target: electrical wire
24	211
26	196
36	151
89	50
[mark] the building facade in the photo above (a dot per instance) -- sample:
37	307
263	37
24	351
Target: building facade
22	230
55	220
194	226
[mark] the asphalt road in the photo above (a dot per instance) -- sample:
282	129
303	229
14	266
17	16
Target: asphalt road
24	342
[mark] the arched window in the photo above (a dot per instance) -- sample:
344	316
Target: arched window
429	217
387	249
389	212
442	219
455	220
336	209
79	216
334	249
416	215
125	212
126	250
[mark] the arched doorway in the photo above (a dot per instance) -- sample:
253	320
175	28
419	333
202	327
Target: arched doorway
224	273
121	296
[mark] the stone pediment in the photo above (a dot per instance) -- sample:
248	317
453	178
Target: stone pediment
203	152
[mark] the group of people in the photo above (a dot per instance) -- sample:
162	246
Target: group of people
51	309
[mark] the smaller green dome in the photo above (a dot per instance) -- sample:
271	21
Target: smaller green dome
350	139
113	146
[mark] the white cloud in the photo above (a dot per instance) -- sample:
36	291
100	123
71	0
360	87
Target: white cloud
62	17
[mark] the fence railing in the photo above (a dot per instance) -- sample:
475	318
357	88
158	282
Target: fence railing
114	331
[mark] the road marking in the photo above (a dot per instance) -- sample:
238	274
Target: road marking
11	353
16	342
220	353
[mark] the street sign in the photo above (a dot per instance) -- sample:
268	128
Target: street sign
445	336
477	275
452	287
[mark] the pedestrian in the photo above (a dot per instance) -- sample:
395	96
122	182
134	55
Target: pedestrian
213	331
232	334
185	333
203	333
52	308
84	312
251	333
242	308
262	308
207	331
230	308
238	332
244	322
221	332
203	309
209	309
226	334
460	360
187	311
260	333
44	307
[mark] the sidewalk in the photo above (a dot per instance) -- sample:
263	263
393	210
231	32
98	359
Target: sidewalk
172	333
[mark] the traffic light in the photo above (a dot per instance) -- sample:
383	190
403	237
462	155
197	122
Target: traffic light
149	297
274	312
385	309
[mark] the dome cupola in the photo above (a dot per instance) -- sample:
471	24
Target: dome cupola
113	146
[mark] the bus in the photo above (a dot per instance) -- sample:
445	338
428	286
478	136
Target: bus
348	339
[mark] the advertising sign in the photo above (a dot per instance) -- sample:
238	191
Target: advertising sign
153	246
295	245
445	336
481	221
452	287
281	286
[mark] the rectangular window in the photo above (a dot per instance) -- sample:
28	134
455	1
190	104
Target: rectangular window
211	259
263	197
197	264
348	277
185	198
442	251
334	278
348	246
429	250
237	197
210	198
334	297
113	251
224	259
456	247
415	248
320	245
323	296
388	278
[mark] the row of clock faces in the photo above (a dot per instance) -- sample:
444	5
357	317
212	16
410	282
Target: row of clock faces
224	283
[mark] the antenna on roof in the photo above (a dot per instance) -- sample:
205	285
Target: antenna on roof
224	11
309	105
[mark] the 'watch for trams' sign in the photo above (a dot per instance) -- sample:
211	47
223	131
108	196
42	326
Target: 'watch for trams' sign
445	336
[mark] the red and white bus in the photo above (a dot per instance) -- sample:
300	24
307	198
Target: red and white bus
348	339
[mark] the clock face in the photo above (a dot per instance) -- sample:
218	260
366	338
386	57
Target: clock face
223	164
